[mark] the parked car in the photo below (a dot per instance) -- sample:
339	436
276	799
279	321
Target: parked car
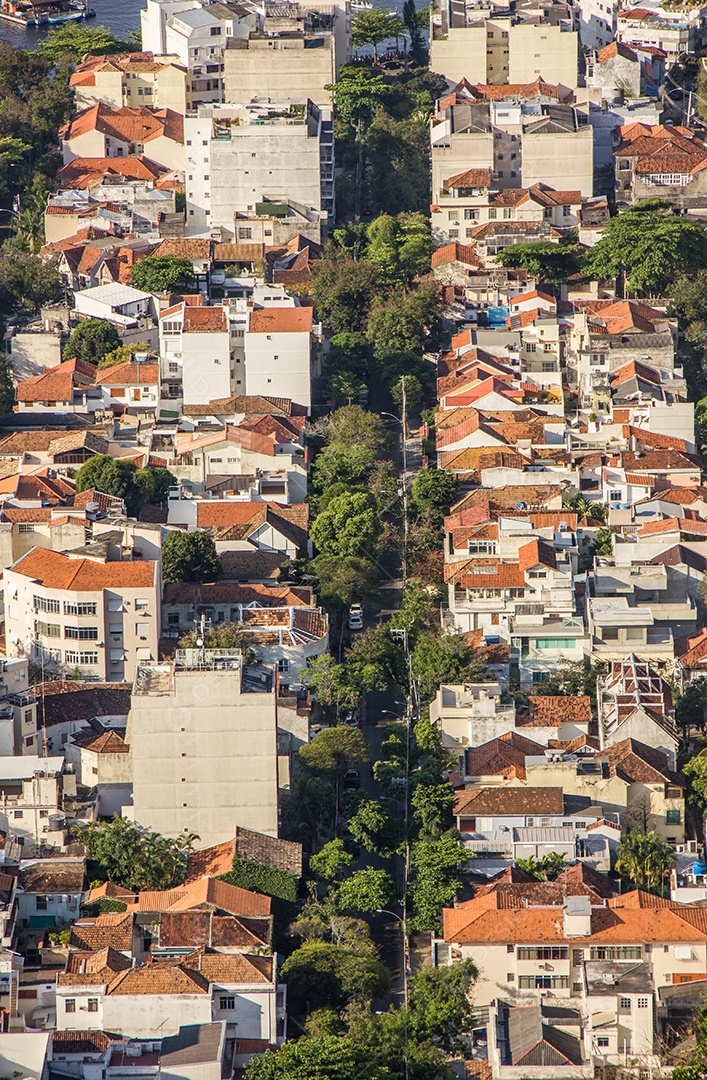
352	719
355	617
352	779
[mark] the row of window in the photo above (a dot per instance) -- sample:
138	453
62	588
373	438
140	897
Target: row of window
75	633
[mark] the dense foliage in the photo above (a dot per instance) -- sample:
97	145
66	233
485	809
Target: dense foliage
263	879
189	557
134	857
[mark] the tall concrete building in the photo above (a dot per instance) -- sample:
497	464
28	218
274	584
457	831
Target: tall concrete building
240	158
466	45
203	738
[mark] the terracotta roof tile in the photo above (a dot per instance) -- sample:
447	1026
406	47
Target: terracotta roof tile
57	571
282	320
129	374
551	710
511	801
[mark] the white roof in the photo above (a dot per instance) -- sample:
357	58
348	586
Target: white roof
24	768
115	294
614	611
195	17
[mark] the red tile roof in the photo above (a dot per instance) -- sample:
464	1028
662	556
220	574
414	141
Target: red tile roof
296	320
57	571
140	125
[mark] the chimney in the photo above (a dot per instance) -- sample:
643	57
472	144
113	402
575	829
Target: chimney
577	916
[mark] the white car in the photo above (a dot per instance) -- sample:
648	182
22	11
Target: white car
355	617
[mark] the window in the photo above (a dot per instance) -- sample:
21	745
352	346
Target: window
70	1005
471	215
47	629
602	1040
81	657
81	633
227	1003
555	643
625	1003
79	609
672	817
26	527
577	956
40	902
643	1003
542	952
543	982
142	629
142	605
610	633
615	496
17	814
510	977
41	603
93	1004
510	948
615	952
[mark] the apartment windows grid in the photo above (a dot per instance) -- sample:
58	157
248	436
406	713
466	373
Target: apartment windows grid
542	952
26	527
625	1004
643	1002
42	603
543	982
81	657
83	608
81	633
47	629
615	952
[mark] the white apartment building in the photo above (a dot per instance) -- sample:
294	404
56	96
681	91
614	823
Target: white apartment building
597	22
203	738
77	613
498	50
102	991
197	34
265	345
246	157
31	800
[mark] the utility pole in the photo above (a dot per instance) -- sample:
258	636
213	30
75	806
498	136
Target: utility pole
405	485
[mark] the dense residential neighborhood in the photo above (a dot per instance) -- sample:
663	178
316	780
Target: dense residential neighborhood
353	541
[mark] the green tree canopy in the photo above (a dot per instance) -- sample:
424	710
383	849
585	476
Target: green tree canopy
688	303
134	857
645	859
695	771
122	354
320	975
649	246
342	289
373	27
444	657
330	685
335	750
350	526
112	476
551	263
121	477
401	321
159	273
92	340
357	93
26	281
189	557
345	580
436	865
75	40
545	869
400	247
366	890
331	862
373	828
433	492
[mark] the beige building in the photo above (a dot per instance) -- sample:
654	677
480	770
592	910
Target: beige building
203	738
479	145
104	132
292	67
88	614
498	50
132	79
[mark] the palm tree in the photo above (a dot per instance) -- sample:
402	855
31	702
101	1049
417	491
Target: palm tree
645	859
